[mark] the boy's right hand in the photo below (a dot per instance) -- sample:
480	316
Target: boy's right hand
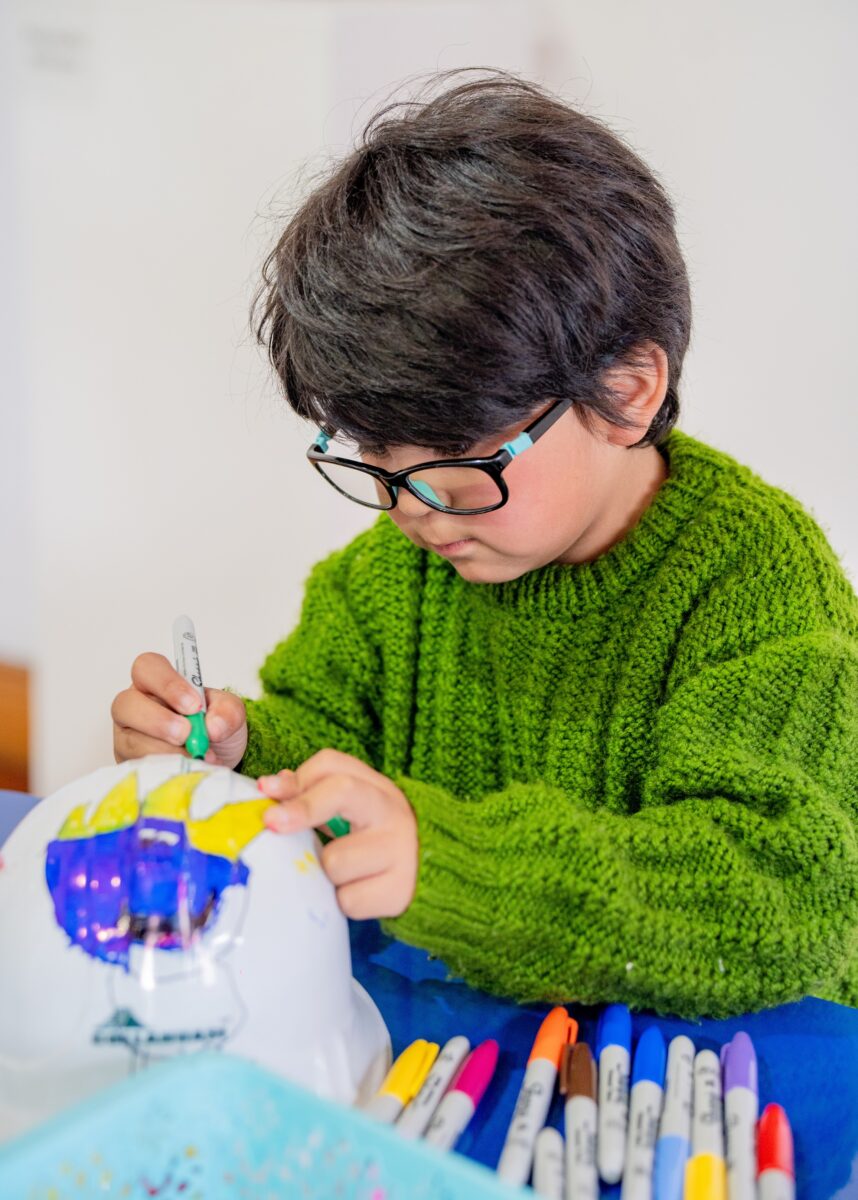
149	717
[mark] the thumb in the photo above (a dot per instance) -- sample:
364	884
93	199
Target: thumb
225	714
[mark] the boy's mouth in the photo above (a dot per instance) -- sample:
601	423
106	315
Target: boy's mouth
450	549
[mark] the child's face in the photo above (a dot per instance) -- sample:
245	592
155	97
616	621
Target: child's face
572	495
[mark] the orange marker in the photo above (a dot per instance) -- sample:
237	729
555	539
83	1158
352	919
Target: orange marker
556	1031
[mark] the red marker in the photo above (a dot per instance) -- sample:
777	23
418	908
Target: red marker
464	1094
775	1162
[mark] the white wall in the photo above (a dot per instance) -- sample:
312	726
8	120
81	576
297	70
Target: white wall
165	476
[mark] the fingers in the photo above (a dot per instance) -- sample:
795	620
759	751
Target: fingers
362	803
134	712
128	743
377	897
156	676
336	762
357	856
225	714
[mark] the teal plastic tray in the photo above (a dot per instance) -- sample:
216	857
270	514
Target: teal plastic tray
210	1126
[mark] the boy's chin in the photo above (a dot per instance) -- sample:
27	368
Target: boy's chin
483	572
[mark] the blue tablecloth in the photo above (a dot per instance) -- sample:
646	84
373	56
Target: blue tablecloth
808	1052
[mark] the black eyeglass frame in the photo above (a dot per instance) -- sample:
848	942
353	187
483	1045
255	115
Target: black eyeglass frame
494	466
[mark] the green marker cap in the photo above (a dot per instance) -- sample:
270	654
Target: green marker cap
198	740
338	826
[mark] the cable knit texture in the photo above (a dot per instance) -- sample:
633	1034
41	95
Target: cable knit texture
635	779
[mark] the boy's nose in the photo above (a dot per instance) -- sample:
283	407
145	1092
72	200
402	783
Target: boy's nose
409	505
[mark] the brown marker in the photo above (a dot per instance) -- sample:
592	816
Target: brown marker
578	1084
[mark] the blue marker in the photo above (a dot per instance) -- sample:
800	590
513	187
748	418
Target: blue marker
615	1049
644	1113
674	1134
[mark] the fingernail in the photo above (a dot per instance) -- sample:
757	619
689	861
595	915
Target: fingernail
190	703
178	731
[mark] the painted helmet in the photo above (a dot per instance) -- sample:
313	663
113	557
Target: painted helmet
146	911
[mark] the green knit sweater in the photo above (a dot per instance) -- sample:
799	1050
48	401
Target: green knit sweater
635	779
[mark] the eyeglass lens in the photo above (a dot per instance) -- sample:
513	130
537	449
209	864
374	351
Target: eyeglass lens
453	488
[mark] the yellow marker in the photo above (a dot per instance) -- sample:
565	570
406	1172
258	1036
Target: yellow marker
403	1081
705	1178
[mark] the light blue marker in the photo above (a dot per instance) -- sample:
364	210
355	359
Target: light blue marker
674	1133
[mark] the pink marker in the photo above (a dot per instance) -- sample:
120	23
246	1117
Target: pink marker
462	1097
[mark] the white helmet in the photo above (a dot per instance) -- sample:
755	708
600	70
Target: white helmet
146	911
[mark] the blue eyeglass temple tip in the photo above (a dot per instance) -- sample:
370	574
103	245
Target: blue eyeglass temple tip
518	445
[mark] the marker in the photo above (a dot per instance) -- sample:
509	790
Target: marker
578	1083
534	1099
775	1160
741	1109
705	1171
548	1164
644	1111
464	1094
188	665
403	1080
415	1118
615	1046
674	1132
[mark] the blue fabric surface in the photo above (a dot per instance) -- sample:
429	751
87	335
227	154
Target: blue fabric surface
807	1052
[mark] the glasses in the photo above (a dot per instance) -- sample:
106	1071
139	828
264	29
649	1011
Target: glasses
465	486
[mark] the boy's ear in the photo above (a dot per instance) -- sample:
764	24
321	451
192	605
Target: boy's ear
642	386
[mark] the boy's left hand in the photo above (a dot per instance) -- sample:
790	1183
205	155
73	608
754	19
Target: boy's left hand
374	867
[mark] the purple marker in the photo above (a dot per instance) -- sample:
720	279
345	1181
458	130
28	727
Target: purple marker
741	1105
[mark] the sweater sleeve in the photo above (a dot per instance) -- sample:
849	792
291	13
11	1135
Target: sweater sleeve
320	684
731	884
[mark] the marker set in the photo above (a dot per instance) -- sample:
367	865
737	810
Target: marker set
433	1096
667	1124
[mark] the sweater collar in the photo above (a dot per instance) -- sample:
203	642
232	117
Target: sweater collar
579	586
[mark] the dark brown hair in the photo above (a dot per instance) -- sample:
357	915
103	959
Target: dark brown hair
481	251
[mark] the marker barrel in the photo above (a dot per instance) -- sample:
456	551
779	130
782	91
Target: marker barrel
673	1145
531	1109
707	1127
775	1185
415	1119
384	1107
582	1177
450	1120
548	1164
187	656
614	1063
644	1112
740	1120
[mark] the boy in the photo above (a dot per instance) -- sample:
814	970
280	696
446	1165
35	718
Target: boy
587	691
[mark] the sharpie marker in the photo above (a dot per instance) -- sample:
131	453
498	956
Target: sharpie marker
615	1046
415	1118
188	665
465	1092
578	1084
705	1171
776	1178
403	1080
531	1108
645	1101
674	1132
548	1164
741	1108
